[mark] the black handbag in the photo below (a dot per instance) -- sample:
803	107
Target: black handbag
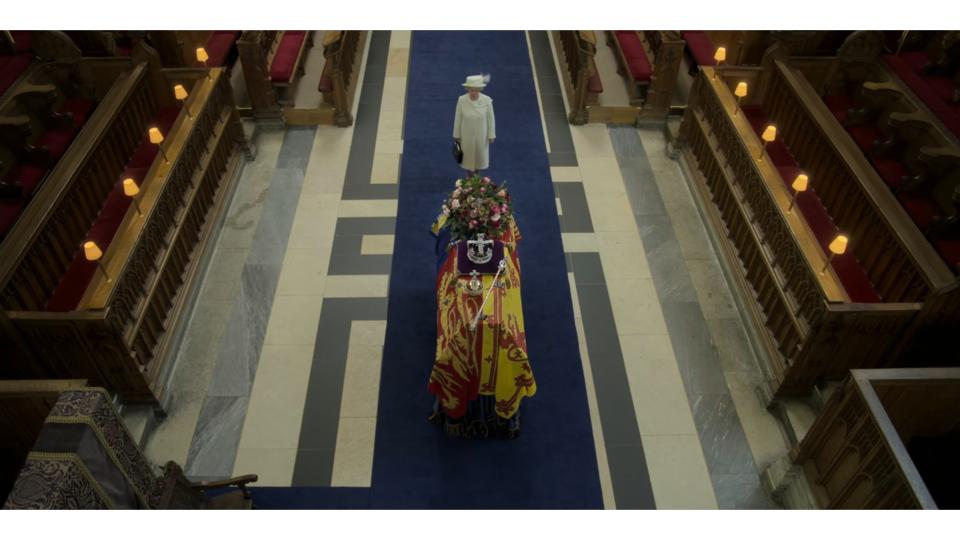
457	151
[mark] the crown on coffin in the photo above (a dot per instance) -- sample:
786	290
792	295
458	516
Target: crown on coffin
480	249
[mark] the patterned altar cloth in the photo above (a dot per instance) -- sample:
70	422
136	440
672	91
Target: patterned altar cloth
476	371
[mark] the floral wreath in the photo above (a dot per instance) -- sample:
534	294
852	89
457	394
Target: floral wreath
476	206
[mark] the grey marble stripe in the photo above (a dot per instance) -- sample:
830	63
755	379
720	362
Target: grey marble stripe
345	257
573	202
216	437
728	456
356	183
321	414
562	152
621	434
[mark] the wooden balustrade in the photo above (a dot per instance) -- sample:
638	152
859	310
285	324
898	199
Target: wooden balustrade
806	312
864	451
117	336
578	47
667	47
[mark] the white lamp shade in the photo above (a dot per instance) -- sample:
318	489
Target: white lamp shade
180	92
130	187
91	251
770	133
839	245
741	89
801	182
155	136
202	55
720	55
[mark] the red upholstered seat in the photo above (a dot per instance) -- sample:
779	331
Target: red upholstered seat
23	40
866	137
950	251
80	109
281	70
891	170
11	67
9	211
29	176
944	87
917	61
635	55
218	47
57	141
840	106
701	47
921	209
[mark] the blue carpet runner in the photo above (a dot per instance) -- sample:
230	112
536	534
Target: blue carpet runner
553	463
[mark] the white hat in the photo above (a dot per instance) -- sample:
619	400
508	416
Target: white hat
477	81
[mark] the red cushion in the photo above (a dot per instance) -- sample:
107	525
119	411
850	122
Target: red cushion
23	39
79	107
56	141
218	47
916	61
28	175
890	170
916	83
866	136
9	211
701	47
11	68
950	251
281	70
635	55
943	87
921	209
840	106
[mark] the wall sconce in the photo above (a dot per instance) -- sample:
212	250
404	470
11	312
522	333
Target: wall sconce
769	135
799	185
719	56
837	247
740	92
92	252
181	94
157	138
202	57
130	189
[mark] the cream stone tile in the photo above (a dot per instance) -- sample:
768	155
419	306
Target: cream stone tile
391	128
170	439
368	208
637	318
315	222
400	39
273	466
368	333
565	174
580	242
637	290
601	176
394	92
389	146
279	392
678	472
574	298
622	256
611	213
761	428
659	400
376	244
304	271
361	381
294	320
592	140
324	180
331	140
353	460
222	279
386	169
559	206
373	286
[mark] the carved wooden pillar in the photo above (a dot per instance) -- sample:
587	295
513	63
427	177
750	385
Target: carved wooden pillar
169	47
337	53
665	71
263	98
585	50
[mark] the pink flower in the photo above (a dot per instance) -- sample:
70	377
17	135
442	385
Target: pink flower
473	223
455	204
486	179
483	190
473	213
503	208
495	217
457	192
502	193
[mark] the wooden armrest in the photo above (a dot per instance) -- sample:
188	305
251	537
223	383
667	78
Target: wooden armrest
239	481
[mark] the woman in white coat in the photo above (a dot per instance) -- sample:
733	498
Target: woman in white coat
474	126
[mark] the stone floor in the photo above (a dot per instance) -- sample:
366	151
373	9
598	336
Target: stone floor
291	315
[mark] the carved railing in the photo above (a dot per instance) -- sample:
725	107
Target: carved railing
342	50
805	310
856	453
116	337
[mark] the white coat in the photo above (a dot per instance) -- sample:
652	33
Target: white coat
474	126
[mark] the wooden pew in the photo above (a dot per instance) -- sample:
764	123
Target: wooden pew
117	333
285	61
633	62
580	76
800	298
342	50
886	439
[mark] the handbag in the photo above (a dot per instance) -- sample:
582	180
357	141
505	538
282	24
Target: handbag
457	151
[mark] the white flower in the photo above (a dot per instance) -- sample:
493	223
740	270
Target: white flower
455	204
459	183
495	217
446	211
